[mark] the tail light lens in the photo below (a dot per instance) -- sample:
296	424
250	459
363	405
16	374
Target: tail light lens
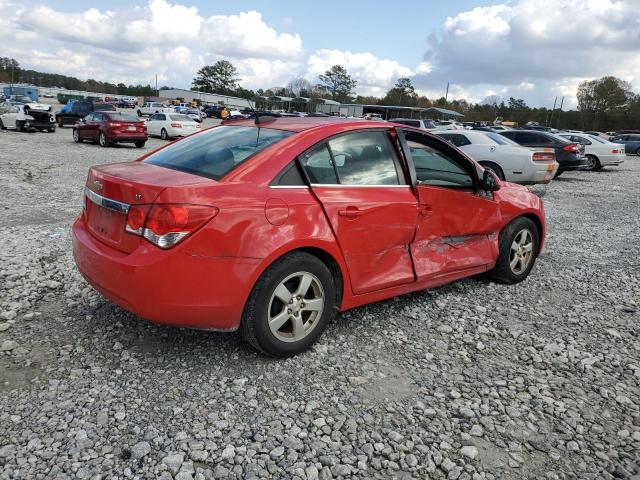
176	125
573	148
617	150
113	124
165	225
543	157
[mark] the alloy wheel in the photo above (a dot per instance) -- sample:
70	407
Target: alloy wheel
163	134
296	306
76	137
103	140
591	162
521	251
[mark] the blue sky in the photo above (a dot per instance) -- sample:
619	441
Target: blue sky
530	49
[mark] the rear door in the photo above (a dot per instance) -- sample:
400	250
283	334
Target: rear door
153	124
359	181
457	224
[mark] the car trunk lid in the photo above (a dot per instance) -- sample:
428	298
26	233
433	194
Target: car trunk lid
111	189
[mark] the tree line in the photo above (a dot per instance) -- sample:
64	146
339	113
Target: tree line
11	72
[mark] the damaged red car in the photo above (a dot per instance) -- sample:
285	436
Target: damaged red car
273	226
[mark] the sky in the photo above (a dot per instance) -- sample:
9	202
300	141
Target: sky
530	49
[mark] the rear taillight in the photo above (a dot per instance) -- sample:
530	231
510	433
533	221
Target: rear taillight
114	124
165	225
543	157
573	148
176	125
617	150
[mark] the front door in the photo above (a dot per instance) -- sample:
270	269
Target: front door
372	210
457	224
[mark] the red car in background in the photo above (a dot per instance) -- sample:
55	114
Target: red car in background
108	128
275	226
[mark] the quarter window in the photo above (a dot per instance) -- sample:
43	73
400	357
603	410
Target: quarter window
319	166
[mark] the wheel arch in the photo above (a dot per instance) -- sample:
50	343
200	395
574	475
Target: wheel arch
494	164
537	221
327	255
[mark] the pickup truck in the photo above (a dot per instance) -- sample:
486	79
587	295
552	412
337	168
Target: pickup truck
150	108
74	111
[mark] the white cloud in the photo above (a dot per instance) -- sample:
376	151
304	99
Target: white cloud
374	75
535	48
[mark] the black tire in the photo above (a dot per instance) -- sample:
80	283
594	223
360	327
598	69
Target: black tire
254	326
103	140
19	125
503	272
594	163
2	127
139	143
164	135
495	168
52	129
139	113
558	173
76	136
60	124
638	151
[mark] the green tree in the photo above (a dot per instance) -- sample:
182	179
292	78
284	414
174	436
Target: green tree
403	93
604	95
516	104
220	77
338	82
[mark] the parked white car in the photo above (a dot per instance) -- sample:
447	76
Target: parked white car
27	116
150	108
508	160
171	125
599	152
416	122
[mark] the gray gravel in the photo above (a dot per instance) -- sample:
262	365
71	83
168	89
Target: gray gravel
469	381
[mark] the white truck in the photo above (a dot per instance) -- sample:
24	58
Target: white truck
150	108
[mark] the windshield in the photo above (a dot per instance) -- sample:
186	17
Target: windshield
499	139
122	117
214	153
596	139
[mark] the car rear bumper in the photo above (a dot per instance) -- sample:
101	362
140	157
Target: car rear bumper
132	137
539	173
579	164
611	159
174	287
39	124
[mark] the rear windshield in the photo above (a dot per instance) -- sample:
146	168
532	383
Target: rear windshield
214	153
180	118
499	139
122	117
103	107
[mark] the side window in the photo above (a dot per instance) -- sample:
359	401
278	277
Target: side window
89	118
581	140
153	117
435	168
98	117
457	139
318	166
161	116
290	176
526	138
365	158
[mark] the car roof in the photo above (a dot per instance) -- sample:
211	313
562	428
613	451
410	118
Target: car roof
300	124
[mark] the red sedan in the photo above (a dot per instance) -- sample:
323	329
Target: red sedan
108	128
274	226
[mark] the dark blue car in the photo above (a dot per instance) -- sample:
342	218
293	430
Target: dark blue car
631	142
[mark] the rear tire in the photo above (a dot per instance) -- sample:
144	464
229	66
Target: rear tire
518	246
76	136
594	163
19	125
558	173
139	113
290	321
52	129
164	135
103	140
139	143
494	168
2	127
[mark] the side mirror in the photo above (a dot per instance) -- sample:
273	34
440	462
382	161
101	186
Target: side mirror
489	181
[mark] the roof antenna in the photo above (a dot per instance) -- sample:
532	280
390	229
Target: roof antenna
263	116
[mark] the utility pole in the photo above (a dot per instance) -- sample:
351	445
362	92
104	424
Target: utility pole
550	117
561	103
446	95
157	92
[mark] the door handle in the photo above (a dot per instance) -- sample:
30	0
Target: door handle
425	210
350	212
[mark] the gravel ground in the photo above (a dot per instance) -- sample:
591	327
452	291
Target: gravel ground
469	381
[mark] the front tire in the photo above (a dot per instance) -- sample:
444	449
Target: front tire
139	113
103	140
290	305
2	127
518	246
76	136
19	126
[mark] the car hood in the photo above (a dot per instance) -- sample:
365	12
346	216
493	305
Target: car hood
38	106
